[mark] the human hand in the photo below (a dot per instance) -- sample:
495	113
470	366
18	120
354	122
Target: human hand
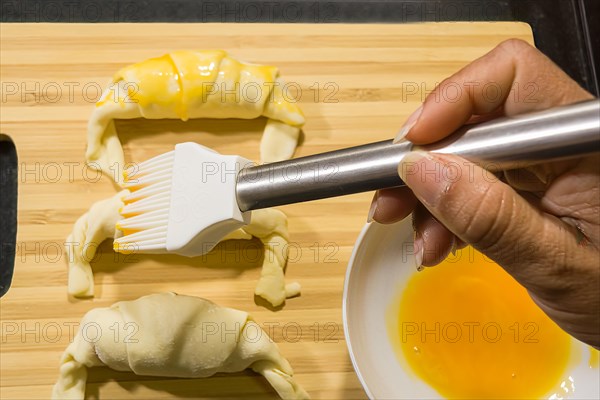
541	224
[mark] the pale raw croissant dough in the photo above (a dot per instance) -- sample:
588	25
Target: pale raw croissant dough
194	84
268	225
173	336
91	229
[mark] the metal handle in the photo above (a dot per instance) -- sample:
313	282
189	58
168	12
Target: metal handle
505	143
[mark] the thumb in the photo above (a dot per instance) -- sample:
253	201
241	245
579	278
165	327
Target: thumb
537	248
485	212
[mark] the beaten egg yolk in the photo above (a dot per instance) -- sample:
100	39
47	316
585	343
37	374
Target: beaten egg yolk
470	330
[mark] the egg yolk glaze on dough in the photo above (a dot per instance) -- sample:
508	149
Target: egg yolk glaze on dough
194	84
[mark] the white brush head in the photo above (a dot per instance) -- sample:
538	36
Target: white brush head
181	202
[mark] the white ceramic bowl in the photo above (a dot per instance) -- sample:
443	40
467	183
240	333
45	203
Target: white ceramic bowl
379	267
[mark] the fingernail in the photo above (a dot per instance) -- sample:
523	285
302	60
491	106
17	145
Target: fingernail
410	122
423	174
373	207
454	246
418	250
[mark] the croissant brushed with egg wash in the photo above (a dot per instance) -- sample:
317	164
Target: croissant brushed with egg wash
193	84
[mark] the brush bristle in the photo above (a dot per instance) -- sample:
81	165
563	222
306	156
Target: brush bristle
146	208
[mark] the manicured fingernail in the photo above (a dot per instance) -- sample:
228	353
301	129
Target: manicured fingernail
410	122
423	174
373	208
418	250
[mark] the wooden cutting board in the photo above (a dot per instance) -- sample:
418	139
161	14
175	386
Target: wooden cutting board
358	83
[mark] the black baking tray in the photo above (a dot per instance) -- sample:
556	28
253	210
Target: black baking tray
565	30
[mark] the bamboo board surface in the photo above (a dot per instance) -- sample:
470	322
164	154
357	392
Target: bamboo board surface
358	84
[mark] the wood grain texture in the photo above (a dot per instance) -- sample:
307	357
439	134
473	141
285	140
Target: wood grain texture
51	74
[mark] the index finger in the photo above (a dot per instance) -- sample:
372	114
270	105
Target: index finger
511	79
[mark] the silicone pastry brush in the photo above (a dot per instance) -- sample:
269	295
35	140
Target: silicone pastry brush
185	201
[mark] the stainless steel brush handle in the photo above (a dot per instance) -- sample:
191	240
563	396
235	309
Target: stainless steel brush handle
505	143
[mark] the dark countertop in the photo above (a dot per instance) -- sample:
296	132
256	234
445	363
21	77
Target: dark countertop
562	28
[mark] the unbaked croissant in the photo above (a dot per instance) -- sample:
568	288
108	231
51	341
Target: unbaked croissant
268	225
194	84
173	336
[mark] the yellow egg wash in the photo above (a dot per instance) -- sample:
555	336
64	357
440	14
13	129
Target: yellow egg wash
470	330
208	83
154	81
594	359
